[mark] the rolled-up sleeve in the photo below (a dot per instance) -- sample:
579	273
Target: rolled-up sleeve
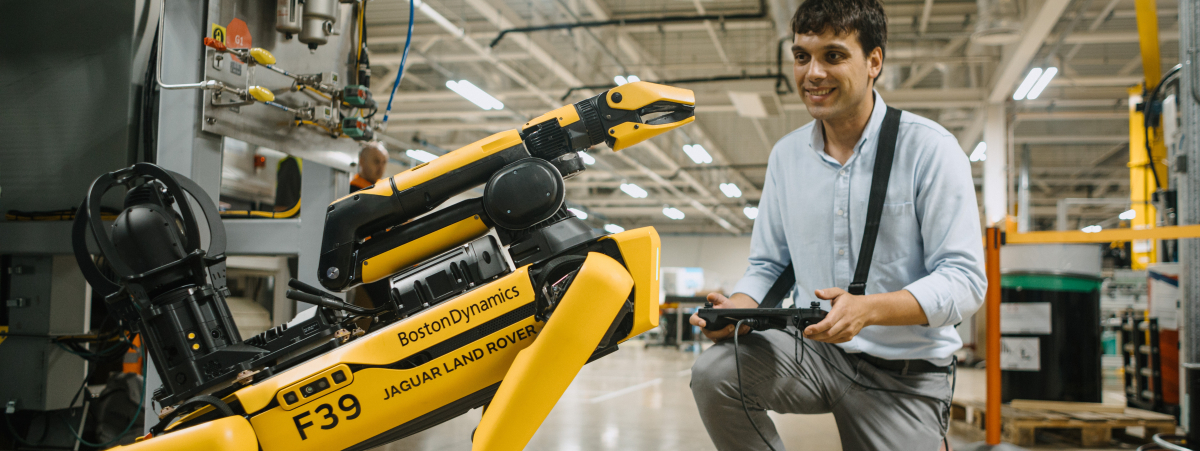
947	210
768	247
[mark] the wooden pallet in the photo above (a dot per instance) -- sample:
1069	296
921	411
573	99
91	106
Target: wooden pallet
1093	428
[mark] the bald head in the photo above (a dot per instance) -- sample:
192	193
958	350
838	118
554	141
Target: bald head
372	161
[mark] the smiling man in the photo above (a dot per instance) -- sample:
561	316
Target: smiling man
880	361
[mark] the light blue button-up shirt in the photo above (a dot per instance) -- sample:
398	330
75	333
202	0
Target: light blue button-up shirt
813	211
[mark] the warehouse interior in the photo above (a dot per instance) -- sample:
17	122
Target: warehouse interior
249	128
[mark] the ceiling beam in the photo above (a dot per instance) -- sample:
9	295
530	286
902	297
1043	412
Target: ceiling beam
1116	37
1071	116
927	68
1100	19
388	58
1107	154
489	126
926	11
1035	33
1072	139
1116	80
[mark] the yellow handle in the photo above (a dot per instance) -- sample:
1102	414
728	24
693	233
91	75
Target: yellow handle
262	56
261	94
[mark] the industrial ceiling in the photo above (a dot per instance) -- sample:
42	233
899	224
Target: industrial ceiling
1076	132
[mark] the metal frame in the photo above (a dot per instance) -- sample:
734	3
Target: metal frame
1189	203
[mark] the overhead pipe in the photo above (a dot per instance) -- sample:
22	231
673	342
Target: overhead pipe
778	76
761	14
678	81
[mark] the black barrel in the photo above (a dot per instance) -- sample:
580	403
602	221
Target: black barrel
1067	354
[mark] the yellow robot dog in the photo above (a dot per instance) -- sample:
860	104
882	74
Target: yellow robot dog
496	301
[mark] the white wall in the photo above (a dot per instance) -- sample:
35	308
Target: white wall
724	258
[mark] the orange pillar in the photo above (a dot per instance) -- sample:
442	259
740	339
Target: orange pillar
993	336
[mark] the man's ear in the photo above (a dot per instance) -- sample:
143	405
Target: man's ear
875	62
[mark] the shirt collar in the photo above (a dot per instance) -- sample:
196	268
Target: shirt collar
870	133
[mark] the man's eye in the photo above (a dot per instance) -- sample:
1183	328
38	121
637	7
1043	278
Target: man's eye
801	58
835	56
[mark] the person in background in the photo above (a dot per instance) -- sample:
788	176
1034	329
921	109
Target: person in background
372	161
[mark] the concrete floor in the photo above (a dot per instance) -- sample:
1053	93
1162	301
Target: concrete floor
638	399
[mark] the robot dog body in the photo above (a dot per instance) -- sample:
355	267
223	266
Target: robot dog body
380	400
496	301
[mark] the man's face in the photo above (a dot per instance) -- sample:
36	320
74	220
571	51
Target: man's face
833	75
372	163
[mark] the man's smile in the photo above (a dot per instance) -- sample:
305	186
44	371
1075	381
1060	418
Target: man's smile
818	95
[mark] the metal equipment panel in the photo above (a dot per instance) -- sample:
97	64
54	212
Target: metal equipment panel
71	98
265	125
37	374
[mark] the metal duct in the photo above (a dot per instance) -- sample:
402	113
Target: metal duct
999	22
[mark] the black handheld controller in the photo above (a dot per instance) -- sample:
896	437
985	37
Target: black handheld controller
761	318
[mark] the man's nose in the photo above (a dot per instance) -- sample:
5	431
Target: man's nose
816	71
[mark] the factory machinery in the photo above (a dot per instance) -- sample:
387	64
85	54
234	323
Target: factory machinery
495	302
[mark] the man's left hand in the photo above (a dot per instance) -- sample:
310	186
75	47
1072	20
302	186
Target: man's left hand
847	316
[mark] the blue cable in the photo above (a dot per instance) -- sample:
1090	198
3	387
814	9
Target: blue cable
403	59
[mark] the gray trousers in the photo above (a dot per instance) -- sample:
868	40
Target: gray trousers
778	377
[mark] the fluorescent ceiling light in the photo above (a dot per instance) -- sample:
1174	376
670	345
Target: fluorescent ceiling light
613	228
619	80
634	190
578	213
980	152
1026	85
673	213
1091	229
697	153
1042	82
750	212
420	155
731	190
1127	215
587	159
475	95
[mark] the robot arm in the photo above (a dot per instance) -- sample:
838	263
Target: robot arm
620	117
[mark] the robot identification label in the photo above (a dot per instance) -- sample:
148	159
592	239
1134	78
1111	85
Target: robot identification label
458	315
465	358
413	367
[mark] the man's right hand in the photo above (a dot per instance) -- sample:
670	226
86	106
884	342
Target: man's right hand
718	300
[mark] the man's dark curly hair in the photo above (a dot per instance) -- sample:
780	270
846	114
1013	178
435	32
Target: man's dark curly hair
844	16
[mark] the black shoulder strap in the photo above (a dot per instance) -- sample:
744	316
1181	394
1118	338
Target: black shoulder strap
879	183
780	289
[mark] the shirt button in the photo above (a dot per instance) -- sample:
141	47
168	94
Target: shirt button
841	252
841	212
842	172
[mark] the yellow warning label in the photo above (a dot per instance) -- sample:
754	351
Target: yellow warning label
218	33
